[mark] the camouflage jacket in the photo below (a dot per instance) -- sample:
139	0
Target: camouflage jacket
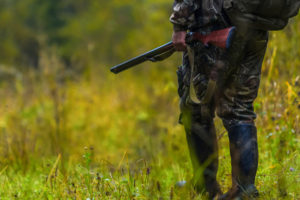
203	15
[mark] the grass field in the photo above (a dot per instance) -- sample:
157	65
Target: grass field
101	136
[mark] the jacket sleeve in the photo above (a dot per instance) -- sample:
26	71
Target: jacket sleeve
183	15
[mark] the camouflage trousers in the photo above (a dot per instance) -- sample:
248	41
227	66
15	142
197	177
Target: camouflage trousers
233	99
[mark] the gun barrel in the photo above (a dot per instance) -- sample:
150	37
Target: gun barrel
141	58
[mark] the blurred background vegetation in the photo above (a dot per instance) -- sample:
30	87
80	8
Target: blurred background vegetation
71	129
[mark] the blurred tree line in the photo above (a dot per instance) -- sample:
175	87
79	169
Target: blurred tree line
80	32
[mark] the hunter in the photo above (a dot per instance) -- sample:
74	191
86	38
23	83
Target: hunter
232	100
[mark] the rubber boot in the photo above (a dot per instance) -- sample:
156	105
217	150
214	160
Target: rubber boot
202	143
244	161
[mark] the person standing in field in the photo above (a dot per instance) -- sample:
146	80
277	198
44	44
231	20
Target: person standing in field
232	100
237	72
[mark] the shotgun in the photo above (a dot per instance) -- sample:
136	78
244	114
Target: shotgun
220	38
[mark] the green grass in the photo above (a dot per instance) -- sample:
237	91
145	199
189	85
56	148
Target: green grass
101	136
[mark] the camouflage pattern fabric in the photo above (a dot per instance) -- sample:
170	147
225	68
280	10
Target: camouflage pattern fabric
236	72
234	98
198	15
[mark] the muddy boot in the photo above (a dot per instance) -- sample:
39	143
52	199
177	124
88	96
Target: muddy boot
202	143
244	161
